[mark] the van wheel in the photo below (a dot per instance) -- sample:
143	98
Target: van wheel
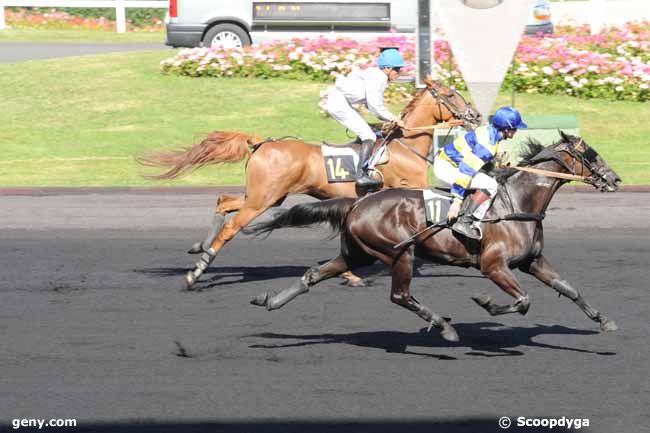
226	36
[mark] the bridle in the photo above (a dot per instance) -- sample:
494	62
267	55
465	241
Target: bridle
468	116
586	159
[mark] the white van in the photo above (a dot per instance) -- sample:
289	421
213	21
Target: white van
235	23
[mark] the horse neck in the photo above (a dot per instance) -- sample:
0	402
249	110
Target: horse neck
531	192
425	113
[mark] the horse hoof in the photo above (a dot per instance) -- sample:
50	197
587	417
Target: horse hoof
260	300
357	283
197	248
608	325
450	334
190	279
482	300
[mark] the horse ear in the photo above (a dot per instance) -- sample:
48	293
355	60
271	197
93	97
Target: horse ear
429	81
565	137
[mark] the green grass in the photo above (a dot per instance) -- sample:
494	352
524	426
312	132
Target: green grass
79	121
77	36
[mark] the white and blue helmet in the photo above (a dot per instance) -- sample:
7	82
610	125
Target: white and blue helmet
507	118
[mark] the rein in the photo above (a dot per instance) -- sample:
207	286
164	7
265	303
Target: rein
450	124
554	174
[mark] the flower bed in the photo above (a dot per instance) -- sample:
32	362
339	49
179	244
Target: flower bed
614	64
138	20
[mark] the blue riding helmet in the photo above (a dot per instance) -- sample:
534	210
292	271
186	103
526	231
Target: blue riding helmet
390	58
507	118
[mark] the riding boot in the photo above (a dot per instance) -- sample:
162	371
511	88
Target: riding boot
466	223
364	180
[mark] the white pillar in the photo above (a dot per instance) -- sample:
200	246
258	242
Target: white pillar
596	15
120	16
2	17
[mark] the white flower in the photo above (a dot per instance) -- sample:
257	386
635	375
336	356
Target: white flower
644	85
592	68
548	70
619	88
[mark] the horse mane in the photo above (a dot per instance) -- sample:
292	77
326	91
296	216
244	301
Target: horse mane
532	148
411	105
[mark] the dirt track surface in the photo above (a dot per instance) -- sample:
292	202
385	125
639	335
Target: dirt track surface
93	315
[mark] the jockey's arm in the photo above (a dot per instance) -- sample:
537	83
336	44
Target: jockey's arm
375	100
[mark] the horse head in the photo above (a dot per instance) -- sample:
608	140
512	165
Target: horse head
582	160
448	105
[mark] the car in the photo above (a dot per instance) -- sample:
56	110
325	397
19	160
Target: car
230	24
242	22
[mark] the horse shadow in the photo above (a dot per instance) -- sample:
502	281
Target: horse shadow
483	339
227	275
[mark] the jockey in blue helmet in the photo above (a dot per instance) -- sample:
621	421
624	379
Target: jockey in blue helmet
459	162
365	86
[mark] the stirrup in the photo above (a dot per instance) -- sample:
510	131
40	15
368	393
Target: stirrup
467	229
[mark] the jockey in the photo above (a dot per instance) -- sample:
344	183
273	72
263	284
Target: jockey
459	162
365	86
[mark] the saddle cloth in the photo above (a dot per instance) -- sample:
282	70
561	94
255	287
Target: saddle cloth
436	205
341	161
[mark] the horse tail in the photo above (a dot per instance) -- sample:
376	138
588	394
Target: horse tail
332	211
218	147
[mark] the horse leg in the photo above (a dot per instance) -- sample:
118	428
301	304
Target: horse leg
273	301
502	276
229	230
541	269
402	272
225	205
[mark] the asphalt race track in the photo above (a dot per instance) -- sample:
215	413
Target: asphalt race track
94	319
12	52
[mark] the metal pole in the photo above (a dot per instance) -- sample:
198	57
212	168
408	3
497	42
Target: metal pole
423	43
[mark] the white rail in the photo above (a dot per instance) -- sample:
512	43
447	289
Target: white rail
119	5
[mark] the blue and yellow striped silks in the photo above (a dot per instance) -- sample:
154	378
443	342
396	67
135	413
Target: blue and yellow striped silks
469	153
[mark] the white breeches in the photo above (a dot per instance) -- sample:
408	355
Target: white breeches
447	173
340	109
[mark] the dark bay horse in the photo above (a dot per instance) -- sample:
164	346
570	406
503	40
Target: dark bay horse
276	168
512	233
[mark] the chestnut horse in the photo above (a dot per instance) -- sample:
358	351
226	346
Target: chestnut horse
373	228
276	168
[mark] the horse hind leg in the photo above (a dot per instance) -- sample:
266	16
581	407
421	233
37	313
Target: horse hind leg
229	230
225	205
402	272
502	276
273	301
541	269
